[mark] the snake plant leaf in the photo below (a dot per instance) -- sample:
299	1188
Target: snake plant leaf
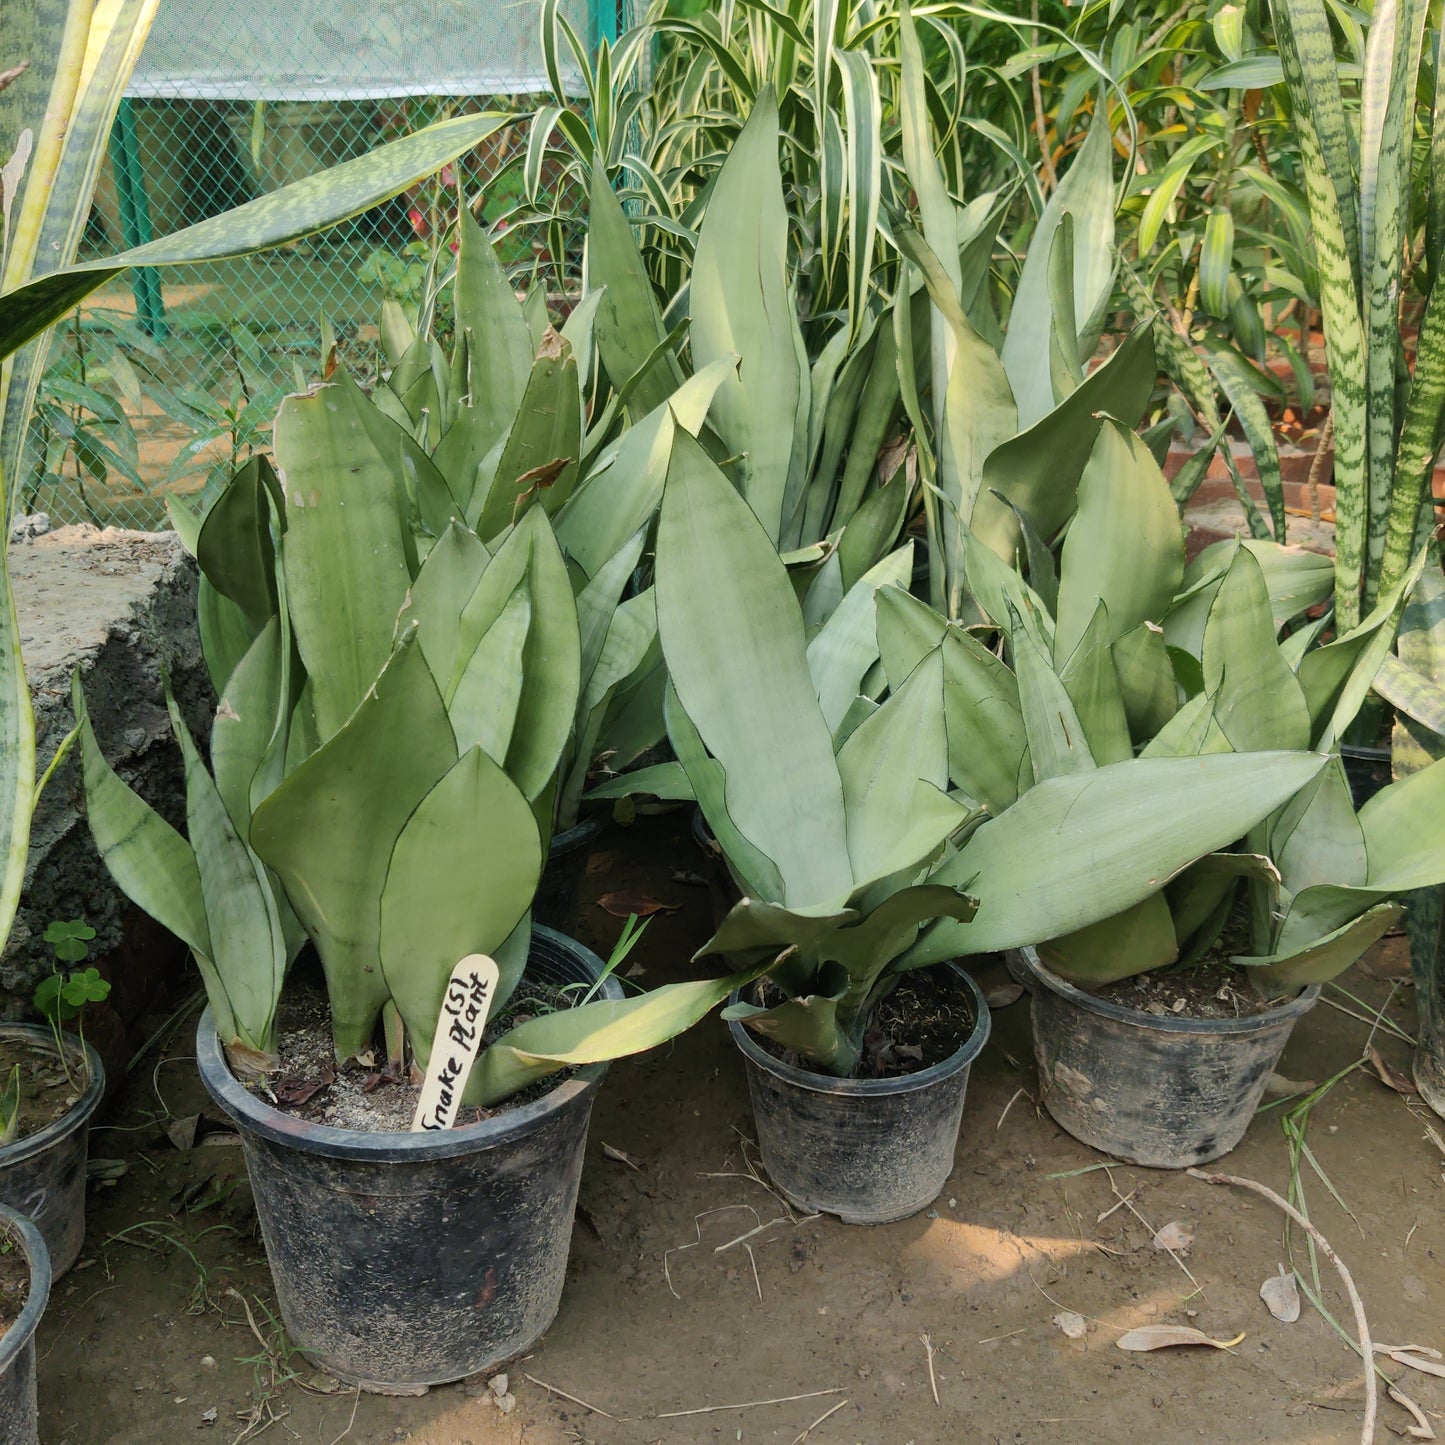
627	652
446	582
1079	848
622	490
629	325
668	781
285	215
1086	193
248	947
854	432
226	633
485	702
433	504
1323	959
1318	839
1414	682
1092	684
500	355
1259	702
1202	897
551	661
723	592
152	864
869	947
1146	680
461	877
811	1025
1296	580
740	305
246	722
1038	470
329	830
544	445
846	646
234	548
345	558
595	1032
1237	383
1004	596
754	926
871	530
1124	510
1188	732
1403	840
17	755
597	602
894	769
1058	740
1337	677
757	875
1129	943
987	743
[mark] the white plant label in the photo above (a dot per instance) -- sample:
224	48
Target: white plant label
465	1006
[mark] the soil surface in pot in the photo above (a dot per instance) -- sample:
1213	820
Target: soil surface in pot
174	1318
374	1098
46	1092
922	1022
1204	991
14	1279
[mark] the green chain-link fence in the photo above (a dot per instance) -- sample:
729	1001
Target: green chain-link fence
169	377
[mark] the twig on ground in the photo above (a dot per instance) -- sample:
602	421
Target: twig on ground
1006	1108
575	1399
799	1439
1362	1325
745	1405
354	1404
932	1378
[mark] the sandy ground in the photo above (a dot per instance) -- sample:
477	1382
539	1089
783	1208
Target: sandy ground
685	1321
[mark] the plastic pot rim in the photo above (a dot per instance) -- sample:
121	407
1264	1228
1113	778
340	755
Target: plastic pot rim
819	1083
37	1257
1271	1018
571	839
393	1146
77	1116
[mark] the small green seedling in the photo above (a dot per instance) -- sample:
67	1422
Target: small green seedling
63	997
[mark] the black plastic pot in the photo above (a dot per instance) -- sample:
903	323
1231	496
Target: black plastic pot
404	1260
1163	1091
1367	770
1425	926
43	1175
555	904
870	1151
18	1414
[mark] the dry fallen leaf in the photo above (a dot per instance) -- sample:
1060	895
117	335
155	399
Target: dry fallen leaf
1279	1087
1281	1294
1001	995
628	901
622	1157
1389	1075
1174	1236
1161	1337
1074	1325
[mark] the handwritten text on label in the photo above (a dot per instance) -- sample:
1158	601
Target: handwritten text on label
465	1005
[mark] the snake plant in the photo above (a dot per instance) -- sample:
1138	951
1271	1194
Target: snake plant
58	131
391	626
1116	651
835	811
